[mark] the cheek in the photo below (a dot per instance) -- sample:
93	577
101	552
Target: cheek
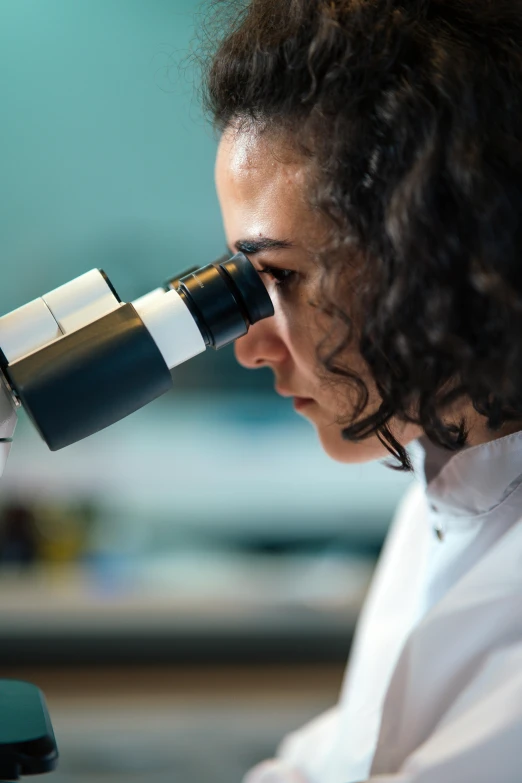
297	324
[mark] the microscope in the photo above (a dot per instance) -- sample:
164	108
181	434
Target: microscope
78	359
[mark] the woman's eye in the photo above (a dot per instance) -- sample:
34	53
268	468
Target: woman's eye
281	276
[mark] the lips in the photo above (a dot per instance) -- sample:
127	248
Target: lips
283	392
298	401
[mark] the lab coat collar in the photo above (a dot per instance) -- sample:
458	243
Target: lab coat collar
470	482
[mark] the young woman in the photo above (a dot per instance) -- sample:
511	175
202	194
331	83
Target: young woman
370	166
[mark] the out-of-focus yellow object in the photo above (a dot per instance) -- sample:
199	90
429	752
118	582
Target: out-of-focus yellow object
61	532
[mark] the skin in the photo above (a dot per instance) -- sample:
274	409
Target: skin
261	184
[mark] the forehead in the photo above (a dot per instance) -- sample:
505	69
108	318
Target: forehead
248	151
259	178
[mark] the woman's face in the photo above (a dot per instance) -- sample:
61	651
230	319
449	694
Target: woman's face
260	188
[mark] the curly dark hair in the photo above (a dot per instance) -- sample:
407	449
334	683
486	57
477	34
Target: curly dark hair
412	112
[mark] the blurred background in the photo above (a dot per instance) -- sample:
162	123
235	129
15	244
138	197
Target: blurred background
184	585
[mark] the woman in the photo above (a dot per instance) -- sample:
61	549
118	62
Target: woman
370	165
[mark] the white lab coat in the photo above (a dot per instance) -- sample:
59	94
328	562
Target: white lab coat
433	690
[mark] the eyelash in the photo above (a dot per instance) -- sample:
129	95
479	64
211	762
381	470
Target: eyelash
282	277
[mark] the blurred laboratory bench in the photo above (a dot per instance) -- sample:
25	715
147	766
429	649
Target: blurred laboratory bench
203	607
164	724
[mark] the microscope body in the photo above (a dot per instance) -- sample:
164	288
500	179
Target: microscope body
78	359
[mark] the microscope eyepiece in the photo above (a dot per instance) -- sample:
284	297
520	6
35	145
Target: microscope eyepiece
225	298
249	287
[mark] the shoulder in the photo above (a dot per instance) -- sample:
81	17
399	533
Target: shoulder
461	669
476	738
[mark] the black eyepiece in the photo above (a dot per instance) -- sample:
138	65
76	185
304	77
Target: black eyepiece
225	298
249	287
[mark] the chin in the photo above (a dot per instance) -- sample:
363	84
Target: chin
350	453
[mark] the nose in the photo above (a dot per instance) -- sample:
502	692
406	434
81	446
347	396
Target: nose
261	346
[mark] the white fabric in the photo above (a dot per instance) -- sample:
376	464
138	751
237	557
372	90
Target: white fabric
433	690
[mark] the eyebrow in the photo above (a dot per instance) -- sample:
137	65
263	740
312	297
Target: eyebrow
252	246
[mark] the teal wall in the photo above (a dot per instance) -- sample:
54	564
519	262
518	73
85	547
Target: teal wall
106	158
